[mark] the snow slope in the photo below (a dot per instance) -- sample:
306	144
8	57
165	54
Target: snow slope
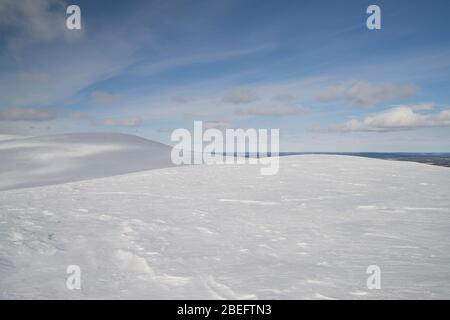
37	161
226	232
4	137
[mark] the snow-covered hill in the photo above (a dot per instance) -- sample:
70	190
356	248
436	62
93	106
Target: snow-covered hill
37	161
225	231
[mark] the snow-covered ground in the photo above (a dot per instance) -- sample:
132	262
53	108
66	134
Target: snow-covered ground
37	161
225	231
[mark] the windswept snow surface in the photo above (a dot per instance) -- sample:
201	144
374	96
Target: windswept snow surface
37	161
227	232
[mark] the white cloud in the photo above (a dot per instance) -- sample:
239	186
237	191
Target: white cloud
126	122
399	118
276	111
420	106
240	96
363	94
27	114
105	98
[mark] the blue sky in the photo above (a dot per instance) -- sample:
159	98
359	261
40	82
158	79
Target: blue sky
310	68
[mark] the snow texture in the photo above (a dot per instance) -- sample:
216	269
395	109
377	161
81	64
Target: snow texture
227	232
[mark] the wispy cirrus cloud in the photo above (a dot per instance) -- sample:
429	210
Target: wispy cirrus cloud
35	37
34	77
195	58
33	21
364	94
105	98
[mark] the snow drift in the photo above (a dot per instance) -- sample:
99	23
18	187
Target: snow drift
226	232
37	161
